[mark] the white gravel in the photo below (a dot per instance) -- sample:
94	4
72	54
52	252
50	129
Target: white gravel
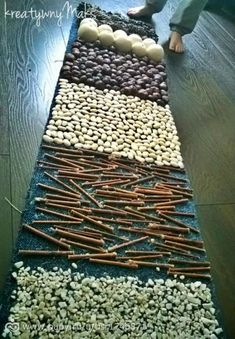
64	305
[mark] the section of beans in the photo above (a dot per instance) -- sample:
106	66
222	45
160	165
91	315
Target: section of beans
94	65
109	121
117	21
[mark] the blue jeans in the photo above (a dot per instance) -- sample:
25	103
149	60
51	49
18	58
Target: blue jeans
186	15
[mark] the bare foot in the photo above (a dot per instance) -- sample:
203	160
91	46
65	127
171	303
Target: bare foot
176	43
139	12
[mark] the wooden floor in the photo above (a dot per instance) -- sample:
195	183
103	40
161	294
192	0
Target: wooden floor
202	93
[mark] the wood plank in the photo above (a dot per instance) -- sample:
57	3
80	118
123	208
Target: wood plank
32	53
218	231
4	123
205	118
203	107
6	231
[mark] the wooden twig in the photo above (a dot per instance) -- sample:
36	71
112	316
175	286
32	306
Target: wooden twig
66	216
190	275
168	228
114	263
93	221
152	264
75	236
153	191
46	222
184	246
141	257
45	236
89	255
108	234
189	262
178	213
178	191
177	222
84	246
140	180
191	269
107	182
92	199
128	243
58	190
57	202
44	252
171	203
61	149
59	197
142	252
81	232
124	212
62	161
108	210
116	221
144	215
196	243
125	203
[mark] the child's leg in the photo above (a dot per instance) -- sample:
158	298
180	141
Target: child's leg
184	21
151	7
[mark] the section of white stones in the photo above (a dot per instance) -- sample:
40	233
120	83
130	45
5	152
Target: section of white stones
111	122
65	304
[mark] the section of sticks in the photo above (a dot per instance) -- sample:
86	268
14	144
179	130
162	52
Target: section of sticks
101	209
